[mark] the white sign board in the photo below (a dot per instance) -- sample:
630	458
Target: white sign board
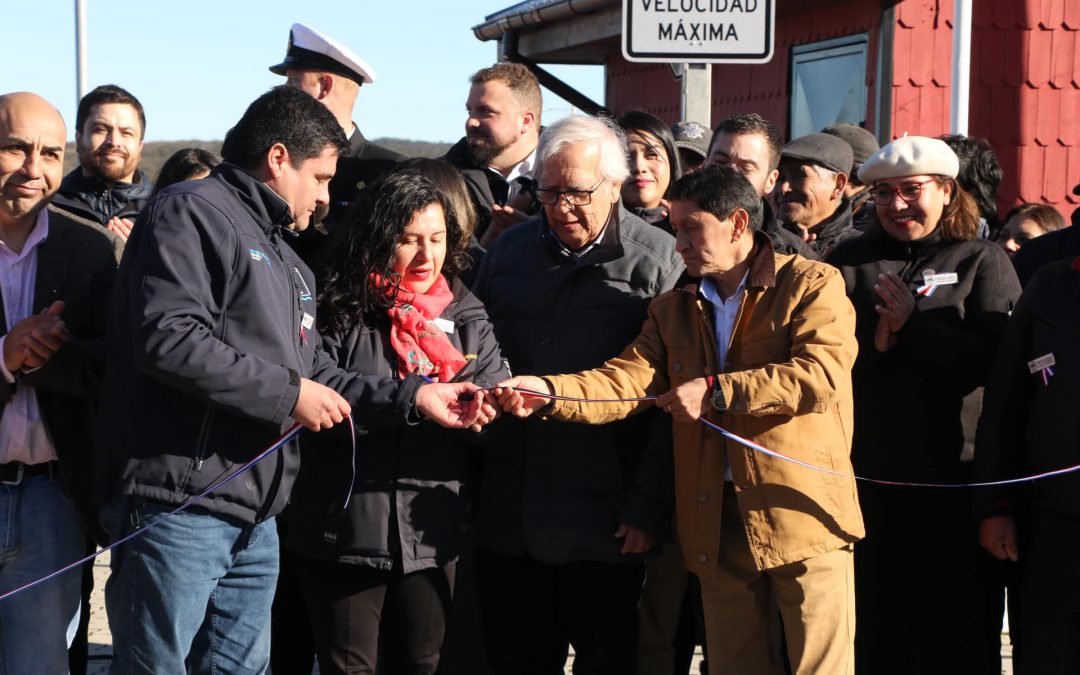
698	31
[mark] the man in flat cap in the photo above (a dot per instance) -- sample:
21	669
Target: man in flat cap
863	144
810	190
319	65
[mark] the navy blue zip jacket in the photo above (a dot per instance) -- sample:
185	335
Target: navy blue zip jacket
211	330
88	197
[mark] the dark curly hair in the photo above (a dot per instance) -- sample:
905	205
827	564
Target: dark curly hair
365	243
980	174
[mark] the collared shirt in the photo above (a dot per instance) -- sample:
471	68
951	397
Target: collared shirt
23	437
724	314
522	169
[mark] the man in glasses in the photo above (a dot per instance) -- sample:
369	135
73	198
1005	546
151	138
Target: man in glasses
566	513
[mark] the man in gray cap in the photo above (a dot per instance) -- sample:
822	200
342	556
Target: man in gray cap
810	190
863	144
319	65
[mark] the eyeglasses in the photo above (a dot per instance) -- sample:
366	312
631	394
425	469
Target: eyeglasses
909	192
572	197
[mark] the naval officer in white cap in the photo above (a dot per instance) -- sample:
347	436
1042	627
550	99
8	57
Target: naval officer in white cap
319	65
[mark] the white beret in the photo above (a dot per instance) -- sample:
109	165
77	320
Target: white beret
910	156
311	50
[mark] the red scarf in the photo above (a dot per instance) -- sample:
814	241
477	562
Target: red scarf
422	347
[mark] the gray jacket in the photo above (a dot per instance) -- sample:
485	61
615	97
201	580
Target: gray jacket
554	490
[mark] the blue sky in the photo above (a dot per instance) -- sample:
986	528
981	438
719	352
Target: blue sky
196	64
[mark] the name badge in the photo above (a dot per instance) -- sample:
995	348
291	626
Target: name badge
308	321
941	279
1042	363
445	325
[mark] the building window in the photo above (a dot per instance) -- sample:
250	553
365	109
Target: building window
828	84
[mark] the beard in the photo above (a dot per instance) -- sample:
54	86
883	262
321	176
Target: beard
109	165
484	148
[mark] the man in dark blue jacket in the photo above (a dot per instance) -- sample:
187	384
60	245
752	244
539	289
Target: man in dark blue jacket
212	354
108	187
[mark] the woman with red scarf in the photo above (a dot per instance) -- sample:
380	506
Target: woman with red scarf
377	574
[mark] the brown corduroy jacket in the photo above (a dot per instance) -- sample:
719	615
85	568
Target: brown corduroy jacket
787	382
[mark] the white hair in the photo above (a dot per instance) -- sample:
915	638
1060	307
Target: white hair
578	128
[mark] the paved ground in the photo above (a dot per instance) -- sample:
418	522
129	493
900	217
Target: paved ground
101	638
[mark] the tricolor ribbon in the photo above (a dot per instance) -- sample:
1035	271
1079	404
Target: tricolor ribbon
772	453
926	290
1046	373
274	447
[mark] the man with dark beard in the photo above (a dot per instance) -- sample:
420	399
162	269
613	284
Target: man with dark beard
107	187
497	154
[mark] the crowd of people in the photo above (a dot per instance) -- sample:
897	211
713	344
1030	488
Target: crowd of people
504	357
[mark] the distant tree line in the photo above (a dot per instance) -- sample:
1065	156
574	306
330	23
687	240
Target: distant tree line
155	153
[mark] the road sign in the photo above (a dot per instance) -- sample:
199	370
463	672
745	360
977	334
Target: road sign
698	31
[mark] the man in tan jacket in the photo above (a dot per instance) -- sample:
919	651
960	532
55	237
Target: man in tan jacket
761	533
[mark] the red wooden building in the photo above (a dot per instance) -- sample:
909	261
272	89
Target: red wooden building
885	64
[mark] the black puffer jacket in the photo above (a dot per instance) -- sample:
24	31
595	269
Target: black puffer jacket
557	490
908	400
409	501
87	197
1029	426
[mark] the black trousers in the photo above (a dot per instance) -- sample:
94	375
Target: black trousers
1049	641
364	618
532	612
920	577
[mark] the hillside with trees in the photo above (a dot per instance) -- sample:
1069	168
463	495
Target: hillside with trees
155	153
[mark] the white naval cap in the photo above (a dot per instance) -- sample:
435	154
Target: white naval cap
311	50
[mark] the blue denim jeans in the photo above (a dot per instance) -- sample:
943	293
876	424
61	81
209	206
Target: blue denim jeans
40	532
193	592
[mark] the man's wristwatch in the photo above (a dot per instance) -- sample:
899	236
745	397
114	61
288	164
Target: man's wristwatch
716	394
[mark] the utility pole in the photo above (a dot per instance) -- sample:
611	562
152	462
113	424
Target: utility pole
80	49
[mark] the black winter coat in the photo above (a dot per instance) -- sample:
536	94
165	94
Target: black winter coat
1029	426
87	197
409	500
485	186
207	343
557	490
836	229
908	400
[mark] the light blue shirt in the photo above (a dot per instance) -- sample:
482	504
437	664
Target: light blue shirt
725	312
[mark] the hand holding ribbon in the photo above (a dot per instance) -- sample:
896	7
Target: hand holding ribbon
685	402
512	398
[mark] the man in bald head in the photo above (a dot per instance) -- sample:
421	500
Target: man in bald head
57	276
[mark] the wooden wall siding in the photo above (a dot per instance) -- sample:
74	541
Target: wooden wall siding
1025	82
1025	96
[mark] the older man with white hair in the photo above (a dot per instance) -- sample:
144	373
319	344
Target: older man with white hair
566	513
